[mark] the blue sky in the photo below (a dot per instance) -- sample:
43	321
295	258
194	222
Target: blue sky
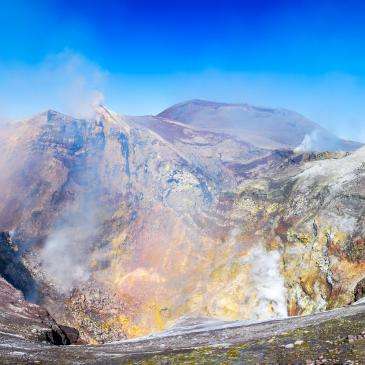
142	56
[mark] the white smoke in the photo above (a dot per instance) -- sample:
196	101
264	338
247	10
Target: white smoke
63	259
268	282
66	82
308	144
67	251
319	141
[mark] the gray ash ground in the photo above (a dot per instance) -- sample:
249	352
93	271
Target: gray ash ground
333	337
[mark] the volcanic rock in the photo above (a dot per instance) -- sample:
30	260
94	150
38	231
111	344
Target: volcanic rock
27	321
129	223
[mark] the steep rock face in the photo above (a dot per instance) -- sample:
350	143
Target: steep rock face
315	216
129	223
13	270
29	322
329	197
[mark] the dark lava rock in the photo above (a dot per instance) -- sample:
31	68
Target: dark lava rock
359	291
62	335
71	333
27	321
13	270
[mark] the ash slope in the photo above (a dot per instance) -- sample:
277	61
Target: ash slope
262	126
129	223
332	337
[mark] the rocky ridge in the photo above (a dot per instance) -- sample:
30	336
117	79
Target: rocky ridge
155	219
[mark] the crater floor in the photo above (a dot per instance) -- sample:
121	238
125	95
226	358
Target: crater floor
331	337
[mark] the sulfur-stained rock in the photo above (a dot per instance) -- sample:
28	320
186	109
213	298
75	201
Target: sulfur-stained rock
128	223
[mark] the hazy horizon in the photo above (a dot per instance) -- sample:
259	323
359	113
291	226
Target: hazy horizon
140	58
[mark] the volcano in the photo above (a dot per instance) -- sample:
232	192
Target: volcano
122	225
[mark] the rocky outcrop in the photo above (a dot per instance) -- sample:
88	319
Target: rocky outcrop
314	215
359	292
29	322
61	335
